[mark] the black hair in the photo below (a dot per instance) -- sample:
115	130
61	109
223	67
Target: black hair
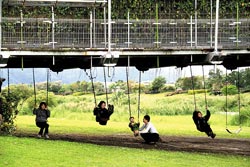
131	117
42	103
100	103
147	117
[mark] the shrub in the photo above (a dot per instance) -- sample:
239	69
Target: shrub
9	113
197	91
229	89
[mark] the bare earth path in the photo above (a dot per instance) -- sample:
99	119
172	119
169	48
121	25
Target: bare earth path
168	143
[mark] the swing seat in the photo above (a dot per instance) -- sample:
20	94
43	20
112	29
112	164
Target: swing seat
234	132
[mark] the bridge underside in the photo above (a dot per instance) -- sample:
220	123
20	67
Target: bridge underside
140	58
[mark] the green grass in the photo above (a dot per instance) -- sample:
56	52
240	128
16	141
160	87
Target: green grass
29	152
73	115
84	123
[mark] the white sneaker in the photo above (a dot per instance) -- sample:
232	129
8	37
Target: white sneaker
47	136
39	136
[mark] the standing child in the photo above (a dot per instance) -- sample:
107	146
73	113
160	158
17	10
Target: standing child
134	126
42	114
202	123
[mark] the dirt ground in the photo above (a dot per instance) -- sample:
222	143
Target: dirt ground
168	143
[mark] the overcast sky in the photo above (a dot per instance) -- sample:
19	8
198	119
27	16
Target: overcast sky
118	73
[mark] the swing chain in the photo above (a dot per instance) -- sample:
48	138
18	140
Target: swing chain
128	91
192	80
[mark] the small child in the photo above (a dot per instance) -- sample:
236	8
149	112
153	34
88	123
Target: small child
202	123
134	126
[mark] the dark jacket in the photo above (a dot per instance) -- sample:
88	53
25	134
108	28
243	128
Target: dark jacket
134	126
201	123
103	114
41	115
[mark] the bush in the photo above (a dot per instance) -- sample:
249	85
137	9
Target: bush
229	89
197	91
244	118
9	113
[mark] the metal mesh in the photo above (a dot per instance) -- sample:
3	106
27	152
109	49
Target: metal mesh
75	33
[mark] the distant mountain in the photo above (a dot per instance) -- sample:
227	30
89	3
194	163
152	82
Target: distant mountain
171	74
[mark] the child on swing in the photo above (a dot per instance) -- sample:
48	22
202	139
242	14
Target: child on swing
102	113
202	123
134	126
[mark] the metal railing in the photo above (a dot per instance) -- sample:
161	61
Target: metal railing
78	34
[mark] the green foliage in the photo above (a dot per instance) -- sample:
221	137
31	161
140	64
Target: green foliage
187	83
9	112
197	91
215	80
139	9
40	97
229	89
157	84
167	88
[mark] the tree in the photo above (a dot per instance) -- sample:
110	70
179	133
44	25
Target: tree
216	79
186	83
157	84
8	109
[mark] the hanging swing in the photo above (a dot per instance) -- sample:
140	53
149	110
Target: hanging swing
102	114
200	121
239	108
204	88
134	126
47	86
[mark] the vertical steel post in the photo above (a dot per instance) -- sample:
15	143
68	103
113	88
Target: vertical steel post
105	26
157	26
128	23
191	31
216	26
94	38
128	30
91	29
211	23
0	25
196	26
109	25
237	25
53	26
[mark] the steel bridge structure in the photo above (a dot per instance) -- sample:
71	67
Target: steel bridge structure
144	43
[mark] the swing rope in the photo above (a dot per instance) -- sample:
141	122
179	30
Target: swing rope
139	96
90	75
92	84
129	105
238	85
204	87
192	80
47	93
34	86
8	82
106	89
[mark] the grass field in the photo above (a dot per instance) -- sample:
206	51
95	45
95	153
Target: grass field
166	125
27	152
30	152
